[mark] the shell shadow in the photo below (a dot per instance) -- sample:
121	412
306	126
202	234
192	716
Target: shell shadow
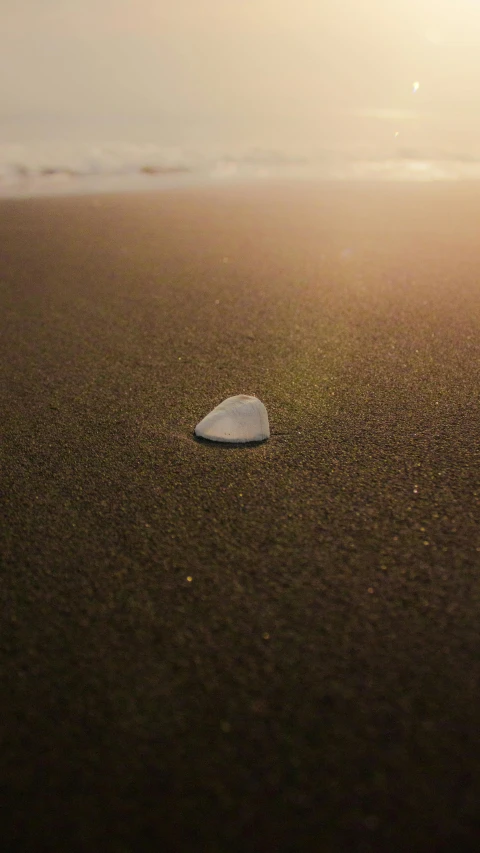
228	445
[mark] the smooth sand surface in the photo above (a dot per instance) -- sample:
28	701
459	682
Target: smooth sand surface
211	648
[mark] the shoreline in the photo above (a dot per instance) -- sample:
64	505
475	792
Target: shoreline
58	183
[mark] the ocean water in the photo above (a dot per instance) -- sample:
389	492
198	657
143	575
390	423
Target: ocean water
59	168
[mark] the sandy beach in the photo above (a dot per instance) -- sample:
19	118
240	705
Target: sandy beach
217	648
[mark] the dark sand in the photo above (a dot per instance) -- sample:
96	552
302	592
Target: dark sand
315	686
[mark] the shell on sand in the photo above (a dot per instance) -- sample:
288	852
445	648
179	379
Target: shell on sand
237	420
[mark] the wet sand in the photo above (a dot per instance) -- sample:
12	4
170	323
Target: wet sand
268	648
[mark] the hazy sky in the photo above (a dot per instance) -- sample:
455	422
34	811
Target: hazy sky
339	71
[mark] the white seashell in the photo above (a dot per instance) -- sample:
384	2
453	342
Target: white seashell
236	419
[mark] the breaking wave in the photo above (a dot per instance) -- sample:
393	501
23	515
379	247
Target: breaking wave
31	171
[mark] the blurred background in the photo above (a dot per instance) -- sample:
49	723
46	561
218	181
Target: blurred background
145	90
